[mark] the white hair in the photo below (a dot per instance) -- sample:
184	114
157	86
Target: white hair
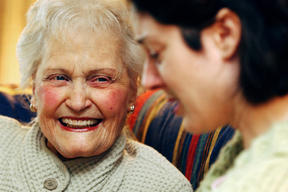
55	18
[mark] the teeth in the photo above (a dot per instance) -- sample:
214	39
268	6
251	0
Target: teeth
79	123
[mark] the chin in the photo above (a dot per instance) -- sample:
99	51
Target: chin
77	153
194	127
70	151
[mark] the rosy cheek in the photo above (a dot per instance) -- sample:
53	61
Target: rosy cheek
49	96
115	100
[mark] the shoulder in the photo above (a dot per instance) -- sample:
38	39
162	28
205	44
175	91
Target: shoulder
263	176
148	156
151	171
10	129
9	123
270	174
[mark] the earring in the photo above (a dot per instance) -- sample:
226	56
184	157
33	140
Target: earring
33	108
131	108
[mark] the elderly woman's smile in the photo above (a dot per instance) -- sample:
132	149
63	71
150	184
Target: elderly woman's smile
82	93
79	124
83	64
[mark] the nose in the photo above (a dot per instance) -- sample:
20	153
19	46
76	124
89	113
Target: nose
78	99
151	79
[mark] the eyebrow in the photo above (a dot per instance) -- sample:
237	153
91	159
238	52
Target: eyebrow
110	70
88	73
48	70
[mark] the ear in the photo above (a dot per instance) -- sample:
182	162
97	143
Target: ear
134	90
227	33
32	100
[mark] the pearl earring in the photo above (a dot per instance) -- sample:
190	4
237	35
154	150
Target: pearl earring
33	108
131	108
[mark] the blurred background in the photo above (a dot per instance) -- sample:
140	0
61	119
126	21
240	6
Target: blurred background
12	21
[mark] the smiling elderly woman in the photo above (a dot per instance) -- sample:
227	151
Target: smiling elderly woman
83	63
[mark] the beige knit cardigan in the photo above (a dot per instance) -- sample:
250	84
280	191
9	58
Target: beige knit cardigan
26	164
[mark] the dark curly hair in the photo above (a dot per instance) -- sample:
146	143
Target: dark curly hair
263	47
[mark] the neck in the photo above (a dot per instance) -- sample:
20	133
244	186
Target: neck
254	120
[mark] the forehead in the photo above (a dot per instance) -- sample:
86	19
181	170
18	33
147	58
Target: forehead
92	48
152	31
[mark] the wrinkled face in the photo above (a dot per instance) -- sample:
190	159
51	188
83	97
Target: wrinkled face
82	93
200	81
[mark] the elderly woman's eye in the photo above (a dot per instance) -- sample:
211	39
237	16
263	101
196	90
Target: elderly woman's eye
58	78
61	78
100	81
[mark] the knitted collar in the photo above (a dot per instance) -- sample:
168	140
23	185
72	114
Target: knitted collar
38	163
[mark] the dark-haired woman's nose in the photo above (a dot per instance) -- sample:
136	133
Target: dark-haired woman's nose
151	78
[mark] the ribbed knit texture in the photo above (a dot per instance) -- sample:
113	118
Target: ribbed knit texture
26	162
261	168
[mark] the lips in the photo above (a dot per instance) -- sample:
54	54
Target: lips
79	124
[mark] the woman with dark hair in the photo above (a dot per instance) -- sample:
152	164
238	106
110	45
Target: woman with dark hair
225	62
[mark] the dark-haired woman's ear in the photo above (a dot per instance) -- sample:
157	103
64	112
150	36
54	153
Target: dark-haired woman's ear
227	33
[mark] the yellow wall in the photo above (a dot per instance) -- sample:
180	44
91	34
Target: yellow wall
12	21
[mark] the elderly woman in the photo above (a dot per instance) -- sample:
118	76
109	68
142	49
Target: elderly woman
225	62
83	64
